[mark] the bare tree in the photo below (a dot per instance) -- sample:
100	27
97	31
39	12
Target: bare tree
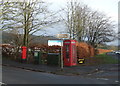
83	24
70	18
118	30
100	29
76	19
27	17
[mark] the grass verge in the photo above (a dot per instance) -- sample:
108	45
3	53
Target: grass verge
106	59
100	59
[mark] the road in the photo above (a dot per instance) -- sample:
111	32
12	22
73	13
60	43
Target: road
13	75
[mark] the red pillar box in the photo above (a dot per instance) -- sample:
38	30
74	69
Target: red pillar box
69	53
24	52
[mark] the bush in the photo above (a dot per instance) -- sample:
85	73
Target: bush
8	51
84	50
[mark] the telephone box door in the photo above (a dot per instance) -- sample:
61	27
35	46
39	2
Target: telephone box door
67	55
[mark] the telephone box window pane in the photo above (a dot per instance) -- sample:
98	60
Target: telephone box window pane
73	51
67	51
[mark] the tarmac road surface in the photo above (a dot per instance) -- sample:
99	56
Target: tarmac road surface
21	76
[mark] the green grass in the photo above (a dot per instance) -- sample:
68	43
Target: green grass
100	59
106	59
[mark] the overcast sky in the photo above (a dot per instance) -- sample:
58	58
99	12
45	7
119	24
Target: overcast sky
108	7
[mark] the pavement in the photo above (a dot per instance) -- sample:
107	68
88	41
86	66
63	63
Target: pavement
81	70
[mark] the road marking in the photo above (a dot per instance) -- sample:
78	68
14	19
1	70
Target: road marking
103	78
100	71
2	83
116	81
89	74
27	70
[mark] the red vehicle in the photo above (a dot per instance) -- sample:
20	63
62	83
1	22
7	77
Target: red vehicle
69	53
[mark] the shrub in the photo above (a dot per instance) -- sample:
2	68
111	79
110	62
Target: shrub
84	50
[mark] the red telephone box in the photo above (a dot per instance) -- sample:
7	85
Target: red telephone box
24	52
69	53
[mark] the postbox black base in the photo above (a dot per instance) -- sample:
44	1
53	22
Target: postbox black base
23	60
